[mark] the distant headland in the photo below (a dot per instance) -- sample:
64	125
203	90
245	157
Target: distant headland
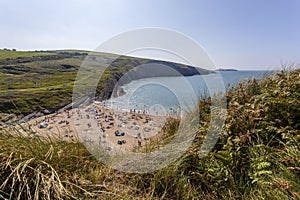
221	69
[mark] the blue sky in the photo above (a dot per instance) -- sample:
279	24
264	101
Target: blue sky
242	34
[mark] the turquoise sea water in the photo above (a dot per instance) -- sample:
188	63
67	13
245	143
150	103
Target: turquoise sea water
163	95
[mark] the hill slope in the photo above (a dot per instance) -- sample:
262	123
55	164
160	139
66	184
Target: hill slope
256	157
38	81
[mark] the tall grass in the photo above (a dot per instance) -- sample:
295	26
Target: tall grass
256	157
36	169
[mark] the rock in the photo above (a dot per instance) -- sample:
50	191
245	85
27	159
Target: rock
46	111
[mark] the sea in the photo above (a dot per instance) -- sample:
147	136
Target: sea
172	95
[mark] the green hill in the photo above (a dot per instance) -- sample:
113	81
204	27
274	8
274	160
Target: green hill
43	80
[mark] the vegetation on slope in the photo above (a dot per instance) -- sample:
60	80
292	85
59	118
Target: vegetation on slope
258	154
256	157
43	80
35	81
4	54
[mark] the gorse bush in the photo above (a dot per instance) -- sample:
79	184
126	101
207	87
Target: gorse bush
256	157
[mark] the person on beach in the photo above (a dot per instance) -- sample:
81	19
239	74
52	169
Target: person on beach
139	143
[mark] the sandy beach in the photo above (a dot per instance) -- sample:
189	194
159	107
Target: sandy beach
115	130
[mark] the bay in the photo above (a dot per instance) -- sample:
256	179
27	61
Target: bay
165	95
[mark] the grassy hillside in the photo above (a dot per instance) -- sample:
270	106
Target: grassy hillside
4	54
256	157
31	81
35	81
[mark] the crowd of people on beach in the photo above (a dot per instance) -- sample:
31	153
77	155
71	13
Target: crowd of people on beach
116	122
128	129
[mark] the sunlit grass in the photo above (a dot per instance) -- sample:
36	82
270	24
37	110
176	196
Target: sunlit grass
4	54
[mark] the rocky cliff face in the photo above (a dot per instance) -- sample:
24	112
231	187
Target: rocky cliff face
138	69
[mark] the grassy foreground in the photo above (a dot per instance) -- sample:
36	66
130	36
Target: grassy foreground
256	157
